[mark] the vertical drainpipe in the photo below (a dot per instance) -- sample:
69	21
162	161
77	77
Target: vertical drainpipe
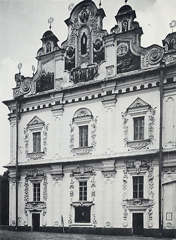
162	67
17	110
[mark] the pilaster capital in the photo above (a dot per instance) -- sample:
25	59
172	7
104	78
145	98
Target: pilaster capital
109	101
109	168
57	110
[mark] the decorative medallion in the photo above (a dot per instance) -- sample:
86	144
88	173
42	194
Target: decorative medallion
84	15
122	49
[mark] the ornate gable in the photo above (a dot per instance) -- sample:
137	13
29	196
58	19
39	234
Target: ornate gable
84	45
35	121
138	103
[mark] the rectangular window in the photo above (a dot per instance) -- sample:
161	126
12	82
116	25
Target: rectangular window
83	136
138	187
83	191
36	192
139	128
37	142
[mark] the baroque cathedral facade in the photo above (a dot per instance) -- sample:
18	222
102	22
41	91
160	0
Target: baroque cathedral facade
93	146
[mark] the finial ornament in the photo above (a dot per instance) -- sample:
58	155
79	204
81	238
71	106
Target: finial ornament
126	1
50	21
19	67
33	69
71	6
100	4
172	24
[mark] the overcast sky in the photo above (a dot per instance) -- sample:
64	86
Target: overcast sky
23	22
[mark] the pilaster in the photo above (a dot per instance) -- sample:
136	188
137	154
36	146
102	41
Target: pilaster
109	102
57	112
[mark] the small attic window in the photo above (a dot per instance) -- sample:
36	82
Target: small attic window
48	48
170	80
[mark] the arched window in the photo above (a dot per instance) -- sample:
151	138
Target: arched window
48	48
83	44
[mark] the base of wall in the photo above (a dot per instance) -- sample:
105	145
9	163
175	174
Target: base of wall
13	228
167	233
84	230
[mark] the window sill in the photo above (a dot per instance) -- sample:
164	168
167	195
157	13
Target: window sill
81	225
35	155
37	206
82	150
138	203
138	144
82	204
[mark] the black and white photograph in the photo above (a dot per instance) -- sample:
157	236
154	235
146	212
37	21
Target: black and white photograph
88	119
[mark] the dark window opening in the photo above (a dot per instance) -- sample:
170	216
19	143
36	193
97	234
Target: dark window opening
82	214
83	136
37	142
139	128
83	44
170	80
138	187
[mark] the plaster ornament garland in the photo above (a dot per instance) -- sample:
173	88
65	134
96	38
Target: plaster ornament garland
124	196
28	138
151	194
45	192
86	150
141	144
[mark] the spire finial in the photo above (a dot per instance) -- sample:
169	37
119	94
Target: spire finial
126	1
100	4
172	24
50	21
19	67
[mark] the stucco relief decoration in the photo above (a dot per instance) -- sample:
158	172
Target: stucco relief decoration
152	57
45	82
98	51
24	85
84	15
125	126
128	115
110	70
151	194
93	185
45	193
124	196
84	29
126	59
79	116
137	166
35	175
28	139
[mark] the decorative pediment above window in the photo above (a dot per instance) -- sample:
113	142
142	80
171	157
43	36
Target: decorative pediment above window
138	105
82	172
83	132
137	167
82	115
35	173
36	121
139	120
35	139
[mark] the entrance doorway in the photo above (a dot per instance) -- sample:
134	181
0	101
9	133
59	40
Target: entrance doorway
138	225
36	221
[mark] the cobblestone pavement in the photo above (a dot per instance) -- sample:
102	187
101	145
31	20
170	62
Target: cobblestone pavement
10	235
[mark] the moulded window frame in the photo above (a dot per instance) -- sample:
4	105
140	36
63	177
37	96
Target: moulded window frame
34	129
136	113
82	121
137	176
